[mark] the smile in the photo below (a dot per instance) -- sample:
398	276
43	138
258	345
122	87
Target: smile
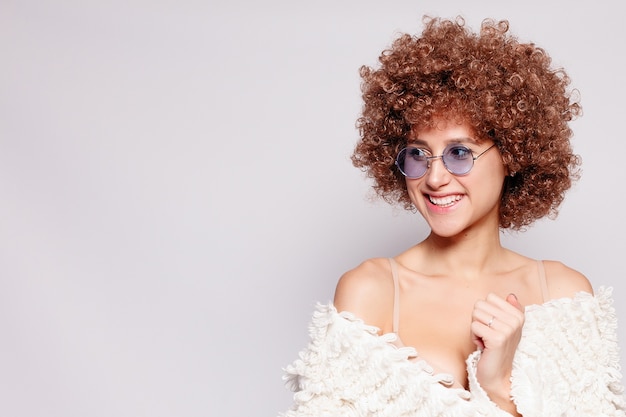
445	201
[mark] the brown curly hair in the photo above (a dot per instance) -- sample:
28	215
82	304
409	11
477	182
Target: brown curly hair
506	90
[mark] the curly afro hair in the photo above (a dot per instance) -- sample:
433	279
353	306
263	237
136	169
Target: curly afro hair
506	90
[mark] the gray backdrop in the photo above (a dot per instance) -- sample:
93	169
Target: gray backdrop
177	191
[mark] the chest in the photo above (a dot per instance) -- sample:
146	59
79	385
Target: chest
438	326
435	316
441	336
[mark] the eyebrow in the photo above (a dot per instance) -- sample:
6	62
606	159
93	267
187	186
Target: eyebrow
463	139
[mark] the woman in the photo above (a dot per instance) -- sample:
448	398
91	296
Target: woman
470	130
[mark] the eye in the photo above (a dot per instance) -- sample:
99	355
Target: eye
416	153
459	152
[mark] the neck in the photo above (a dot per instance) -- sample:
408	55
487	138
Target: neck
469	255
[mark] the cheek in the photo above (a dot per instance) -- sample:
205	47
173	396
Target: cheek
495	169
412	187
494	186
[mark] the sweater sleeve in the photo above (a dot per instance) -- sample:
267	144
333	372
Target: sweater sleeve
567	362
348	370
478	394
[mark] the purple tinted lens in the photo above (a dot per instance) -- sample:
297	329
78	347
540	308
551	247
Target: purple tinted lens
412	162
458	159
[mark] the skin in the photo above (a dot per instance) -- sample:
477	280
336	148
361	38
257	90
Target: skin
460	278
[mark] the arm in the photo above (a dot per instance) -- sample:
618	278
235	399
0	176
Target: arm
497	329
567	361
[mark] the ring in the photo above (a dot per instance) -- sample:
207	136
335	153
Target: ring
491	321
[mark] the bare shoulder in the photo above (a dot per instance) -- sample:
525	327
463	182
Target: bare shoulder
564	281
367	292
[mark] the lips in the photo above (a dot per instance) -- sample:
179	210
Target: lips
444	201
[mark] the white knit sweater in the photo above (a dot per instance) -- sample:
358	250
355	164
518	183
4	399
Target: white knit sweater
567	364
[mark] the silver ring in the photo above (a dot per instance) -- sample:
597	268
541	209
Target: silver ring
491	321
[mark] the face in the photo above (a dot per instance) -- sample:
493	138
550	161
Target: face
453	204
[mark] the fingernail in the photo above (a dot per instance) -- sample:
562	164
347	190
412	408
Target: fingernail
514	296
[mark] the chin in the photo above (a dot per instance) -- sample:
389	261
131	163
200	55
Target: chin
446	233
447	230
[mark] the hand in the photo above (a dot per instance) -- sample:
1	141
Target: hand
496	330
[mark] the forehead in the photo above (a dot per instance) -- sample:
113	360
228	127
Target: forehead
445	130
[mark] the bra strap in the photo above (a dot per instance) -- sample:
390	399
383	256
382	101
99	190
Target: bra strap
396	295
542	281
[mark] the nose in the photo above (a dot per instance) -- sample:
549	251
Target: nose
437	175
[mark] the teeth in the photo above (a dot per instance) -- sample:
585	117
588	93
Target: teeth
444	201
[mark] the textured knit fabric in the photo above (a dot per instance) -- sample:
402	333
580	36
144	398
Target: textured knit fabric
567	364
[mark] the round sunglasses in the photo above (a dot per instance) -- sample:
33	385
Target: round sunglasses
458	159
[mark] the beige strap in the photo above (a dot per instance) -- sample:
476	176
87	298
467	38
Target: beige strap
542	281
396	295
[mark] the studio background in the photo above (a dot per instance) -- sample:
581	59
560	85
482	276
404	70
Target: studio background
177	192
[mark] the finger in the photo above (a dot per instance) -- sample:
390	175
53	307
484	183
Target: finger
512	299
478	341
484	310
511	305
477	336
486	318
497	312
